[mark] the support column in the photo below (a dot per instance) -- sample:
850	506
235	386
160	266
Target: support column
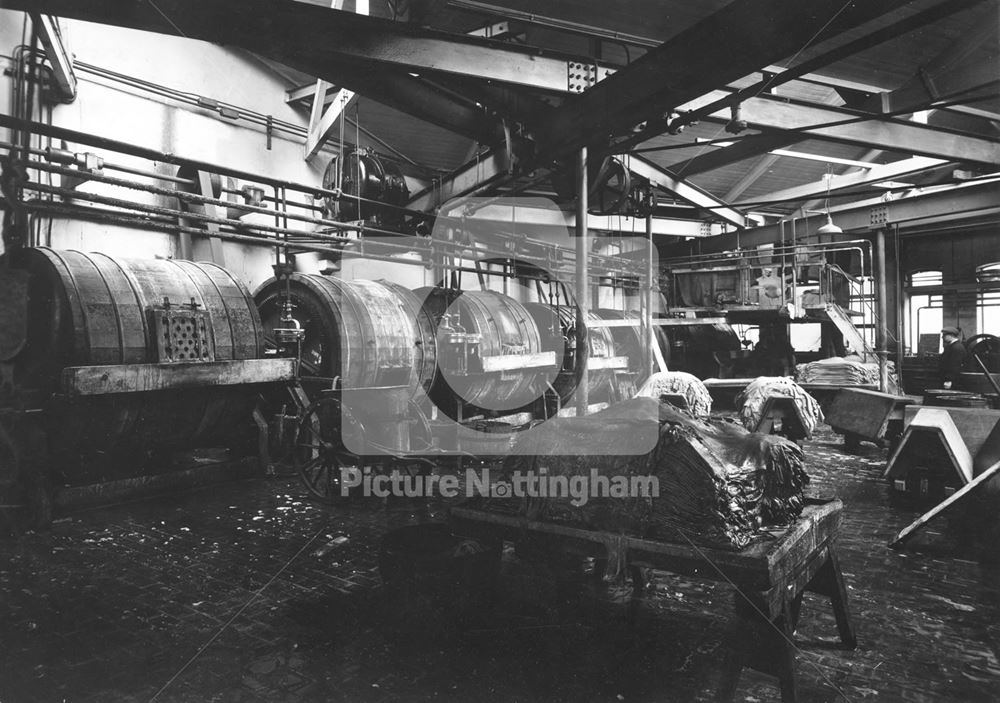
582	285
647	318
881	335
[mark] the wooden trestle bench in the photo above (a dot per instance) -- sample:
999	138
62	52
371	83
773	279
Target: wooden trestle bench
769	577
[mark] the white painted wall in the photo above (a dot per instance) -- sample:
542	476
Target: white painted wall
110	109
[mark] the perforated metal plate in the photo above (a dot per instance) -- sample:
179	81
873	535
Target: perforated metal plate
183	335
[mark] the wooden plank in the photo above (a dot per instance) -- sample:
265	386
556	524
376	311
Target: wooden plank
822	521
763	563
938	509
514	362
139	378
609	362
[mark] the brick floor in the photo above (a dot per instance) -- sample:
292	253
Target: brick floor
239	593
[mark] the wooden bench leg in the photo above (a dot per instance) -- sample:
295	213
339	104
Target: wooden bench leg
785	654
762	644
829	581
732	668
796	610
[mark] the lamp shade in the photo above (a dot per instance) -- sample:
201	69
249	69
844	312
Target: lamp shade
829	227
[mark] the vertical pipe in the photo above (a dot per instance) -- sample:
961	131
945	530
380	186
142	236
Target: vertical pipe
880	328
647	319
184	244
897	300
794	272
582	285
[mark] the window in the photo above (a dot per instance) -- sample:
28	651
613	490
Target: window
988	303
923	314
806	337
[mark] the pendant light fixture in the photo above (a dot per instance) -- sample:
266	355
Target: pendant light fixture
829	227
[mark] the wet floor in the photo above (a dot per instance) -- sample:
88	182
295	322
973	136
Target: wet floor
249	591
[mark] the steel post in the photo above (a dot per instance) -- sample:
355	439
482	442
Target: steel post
582	284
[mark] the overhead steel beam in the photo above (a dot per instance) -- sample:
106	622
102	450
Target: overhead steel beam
467	179
754	33
310	34
763	165
415	97
555	23
757	171
955	71
684	190
60	60
527	216
746	147
968	201
303	93
299	36
855	163
495	30
968	81
873	174
810	121
512	103
837	51
323	119
865	161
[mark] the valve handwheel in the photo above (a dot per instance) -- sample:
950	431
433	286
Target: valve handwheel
325	438
987	348
611	188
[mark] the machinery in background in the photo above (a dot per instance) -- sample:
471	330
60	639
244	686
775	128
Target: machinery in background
977	383
612	189
106	362
372	189
394	376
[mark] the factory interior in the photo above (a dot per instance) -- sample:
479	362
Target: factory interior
496	350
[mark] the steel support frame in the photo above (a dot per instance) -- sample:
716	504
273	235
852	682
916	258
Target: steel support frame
305	34
323	119
759	32
955	71
811	121
745	148
777	75
973	200
469	178
685	190
526	215
62	63
871	174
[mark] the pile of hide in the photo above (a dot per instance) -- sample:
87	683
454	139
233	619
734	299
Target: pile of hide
716	483
754	397
684	384
841	371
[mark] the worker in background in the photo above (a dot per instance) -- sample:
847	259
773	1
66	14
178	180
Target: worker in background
952	358
773	355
